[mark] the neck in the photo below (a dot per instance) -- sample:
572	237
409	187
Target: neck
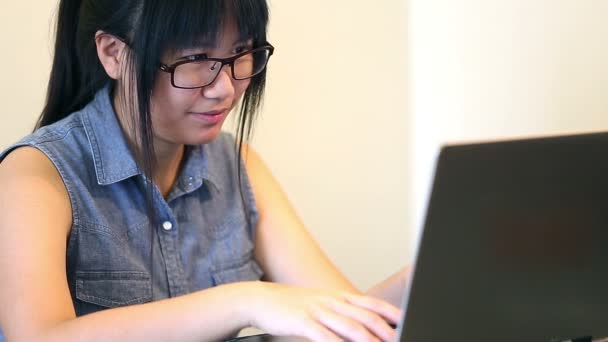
169	159
168	155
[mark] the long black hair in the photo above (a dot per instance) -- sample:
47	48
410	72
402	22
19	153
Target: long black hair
151	28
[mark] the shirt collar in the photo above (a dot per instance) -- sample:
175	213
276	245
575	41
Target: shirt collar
114	160
196	170
112	156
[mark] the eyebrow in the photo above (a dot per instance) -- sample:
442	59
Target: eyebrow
191	51
205	44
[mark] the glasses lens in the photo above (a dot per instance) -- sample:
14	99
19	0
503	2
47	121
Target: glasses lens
201	73
251	64
196	74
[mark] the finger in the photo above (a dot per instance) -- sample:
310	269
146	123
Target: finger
317	332
372	321
344	326
388	311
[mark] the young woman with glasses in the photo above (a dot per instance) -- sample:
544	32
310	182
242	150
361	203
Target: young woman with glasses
129	216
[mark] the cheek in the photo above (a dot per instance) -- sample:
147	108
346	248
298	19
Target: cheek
167	98
239	89
162	84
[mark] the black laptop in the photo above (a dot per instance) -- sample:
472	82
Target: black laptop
514	245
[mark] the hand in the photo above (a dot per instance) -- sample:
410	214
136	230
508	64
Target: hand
392	288
322	315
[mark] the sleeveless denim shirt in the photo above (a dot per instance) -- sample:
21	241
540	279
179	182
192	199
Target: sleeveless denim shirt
115	256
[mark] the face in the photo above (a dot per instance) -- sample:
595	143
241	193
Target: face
195	116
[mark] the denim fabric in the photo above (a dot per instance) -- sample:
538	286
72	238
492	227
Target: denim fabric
115	255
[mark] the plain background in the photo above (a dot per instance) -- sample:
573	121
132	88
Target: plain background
361	95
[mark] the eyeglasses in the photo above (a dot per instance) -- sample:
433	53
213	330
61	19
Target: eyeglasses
199	70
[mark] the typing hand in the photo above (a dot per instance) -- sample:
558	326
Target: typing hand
322	315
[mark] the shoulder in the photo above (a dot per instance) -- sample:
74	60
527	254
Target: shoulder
62	137
32	185
63	140
56	132
30	169
27	167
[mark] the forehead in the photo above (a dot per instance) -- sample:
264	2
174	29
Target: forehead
226	36
189	24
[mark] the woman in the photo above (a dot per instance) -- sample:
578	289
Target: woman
127	215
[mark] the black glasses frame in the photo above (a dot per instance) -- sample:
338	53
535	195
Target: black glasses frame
224	61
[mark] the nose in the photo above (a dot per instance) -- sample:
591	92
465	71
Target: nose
222	87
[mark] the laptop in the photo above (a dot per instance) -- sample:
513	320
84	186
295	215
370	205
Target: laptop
514	245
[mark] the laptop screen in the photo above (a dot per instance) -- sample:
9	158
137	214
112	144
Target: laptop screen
515	243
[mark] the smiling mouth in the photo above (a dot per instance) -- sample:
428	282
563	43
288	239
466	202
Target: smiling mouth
211	117
214	113
211	113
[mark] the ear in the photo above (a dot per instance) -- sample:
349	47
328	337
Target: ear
110	52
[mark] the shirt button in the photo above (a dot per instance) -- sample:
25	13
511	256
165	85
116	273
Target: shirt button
167	225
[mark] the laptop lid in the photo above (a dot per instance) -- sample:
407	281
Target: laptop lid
515	244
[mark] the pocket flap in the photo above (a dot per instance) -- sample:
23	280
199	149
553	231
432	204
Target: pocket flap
248	271
113	289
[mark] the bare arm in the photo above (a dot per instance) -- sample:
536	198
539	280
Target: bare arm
281	232
288	254
302	263
392	288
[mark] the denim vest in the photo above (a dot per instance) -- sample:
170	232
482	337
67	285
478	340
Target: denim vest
115	255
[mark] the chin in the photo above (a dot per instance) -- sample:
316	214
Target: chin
204	138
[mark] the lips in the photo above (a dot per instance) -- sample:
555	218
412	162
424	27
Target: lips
211	117
211	113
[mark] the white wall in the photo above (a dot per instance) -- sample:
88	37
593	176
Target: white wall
334	129
487	69
25	33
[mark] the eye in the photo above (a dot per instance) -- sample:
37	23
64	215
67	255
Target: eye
196	57
240	49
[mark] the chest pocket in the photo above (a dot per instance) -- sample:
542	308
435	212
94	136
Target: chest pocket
246	270
96	291
233	252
